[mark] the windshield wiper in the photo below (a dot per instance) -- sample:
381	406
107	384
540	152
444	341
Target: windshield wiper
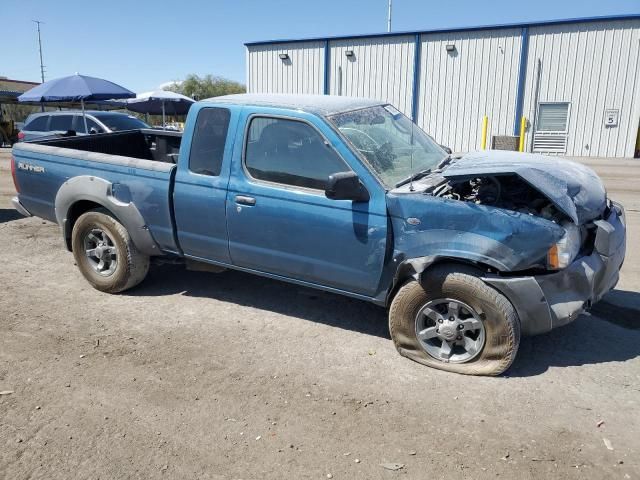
423	173
444	162
413	177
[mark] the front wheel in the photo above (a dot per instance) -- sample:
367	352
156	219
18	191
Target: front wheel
453	321
105	254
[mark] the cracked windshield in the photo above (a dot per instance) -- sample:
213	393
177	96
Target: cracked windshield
391	143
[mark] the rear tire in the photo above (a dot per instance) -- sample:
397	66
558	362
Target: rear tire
105	253
486	317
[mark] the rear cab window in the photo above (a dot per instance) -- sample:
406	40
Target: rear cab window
290	152
209	139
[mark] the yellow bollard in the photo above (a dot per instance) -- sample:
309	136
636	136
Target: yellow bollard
523	126
483	141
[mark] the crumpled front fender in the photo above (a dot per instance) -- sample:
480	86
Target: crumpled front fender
426	226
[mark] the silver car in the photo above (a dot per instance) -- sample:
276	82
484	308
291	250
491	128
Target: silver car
70	122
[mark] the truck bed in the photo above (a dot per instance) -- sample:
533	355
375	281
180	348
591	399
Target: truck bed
148	144
139	165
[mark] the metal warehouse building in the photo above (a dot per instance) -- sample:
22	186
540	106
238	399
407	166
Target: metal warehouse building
576	81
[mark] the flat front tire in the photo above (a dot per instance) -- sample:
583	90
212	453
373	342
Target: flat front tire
453	321
105	253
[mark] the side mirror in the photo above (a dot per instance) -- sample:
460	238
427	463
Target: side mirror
446	149
346	186
93	131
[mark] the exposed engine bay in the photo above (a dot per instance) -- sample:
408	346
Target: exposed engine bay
510	192
532	212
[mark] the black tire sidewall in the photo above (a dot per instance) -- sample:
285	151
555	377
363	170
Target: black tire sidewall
501	324
87	222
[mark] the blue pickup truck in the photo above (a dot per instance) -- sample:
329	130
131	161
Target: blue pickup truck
346	195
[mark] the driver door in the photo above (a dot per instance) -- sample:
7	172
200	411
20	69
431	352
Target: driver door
280	221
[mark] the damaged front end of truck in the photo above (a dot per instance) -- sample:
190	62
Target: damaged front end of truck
541	230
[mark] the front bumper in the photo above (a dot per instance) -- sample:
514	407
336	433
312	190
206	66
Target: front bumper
19	207
545	302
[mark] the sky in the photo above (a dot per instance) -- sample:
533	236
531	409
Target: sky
142	44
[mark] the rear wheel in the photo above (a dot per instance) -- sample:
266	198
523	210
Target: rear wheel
105	254
455	322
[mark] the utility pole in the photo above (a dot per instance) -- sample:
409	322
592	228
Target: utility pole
38	22
389	18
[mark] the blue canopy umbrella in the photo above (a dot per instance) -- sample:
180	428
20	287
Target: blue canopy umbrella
75	88
160	102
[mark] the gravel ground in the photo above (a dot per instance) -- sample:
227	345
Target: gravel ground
231	376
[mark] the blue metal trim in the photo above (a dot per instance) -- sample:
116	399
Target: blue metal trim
327	66
416	77
449	30
524	55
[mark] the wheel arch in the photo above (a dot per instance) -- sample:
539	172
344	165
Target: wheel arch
81	194
416	267
73	213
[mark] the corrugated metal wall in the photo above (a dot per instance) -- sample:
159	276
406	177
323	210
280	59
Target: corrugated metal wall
594	67
303	72
380	68
458	88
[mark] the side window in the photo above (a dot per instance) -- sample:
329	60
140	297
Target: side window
78	124
60	123
91	125
38	124
290	152
209	138
257	126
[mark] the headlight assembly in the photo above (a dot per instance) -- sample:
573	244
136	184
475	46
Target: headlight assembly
561	254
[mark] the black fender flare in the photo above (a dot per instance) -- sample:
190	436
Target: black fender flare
100	191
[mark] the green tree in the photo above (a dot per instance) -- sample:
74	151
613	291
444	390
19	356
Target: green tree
208	86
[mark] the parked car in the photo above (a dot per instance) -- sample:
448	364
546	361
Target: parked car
172	127
345	195
60	123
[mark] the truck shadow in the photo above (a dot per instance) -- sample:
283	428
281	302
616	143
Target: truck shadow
266	294
610	334
9	215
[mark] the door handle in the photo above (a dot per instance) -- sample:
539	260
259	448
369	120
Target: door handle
244	200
